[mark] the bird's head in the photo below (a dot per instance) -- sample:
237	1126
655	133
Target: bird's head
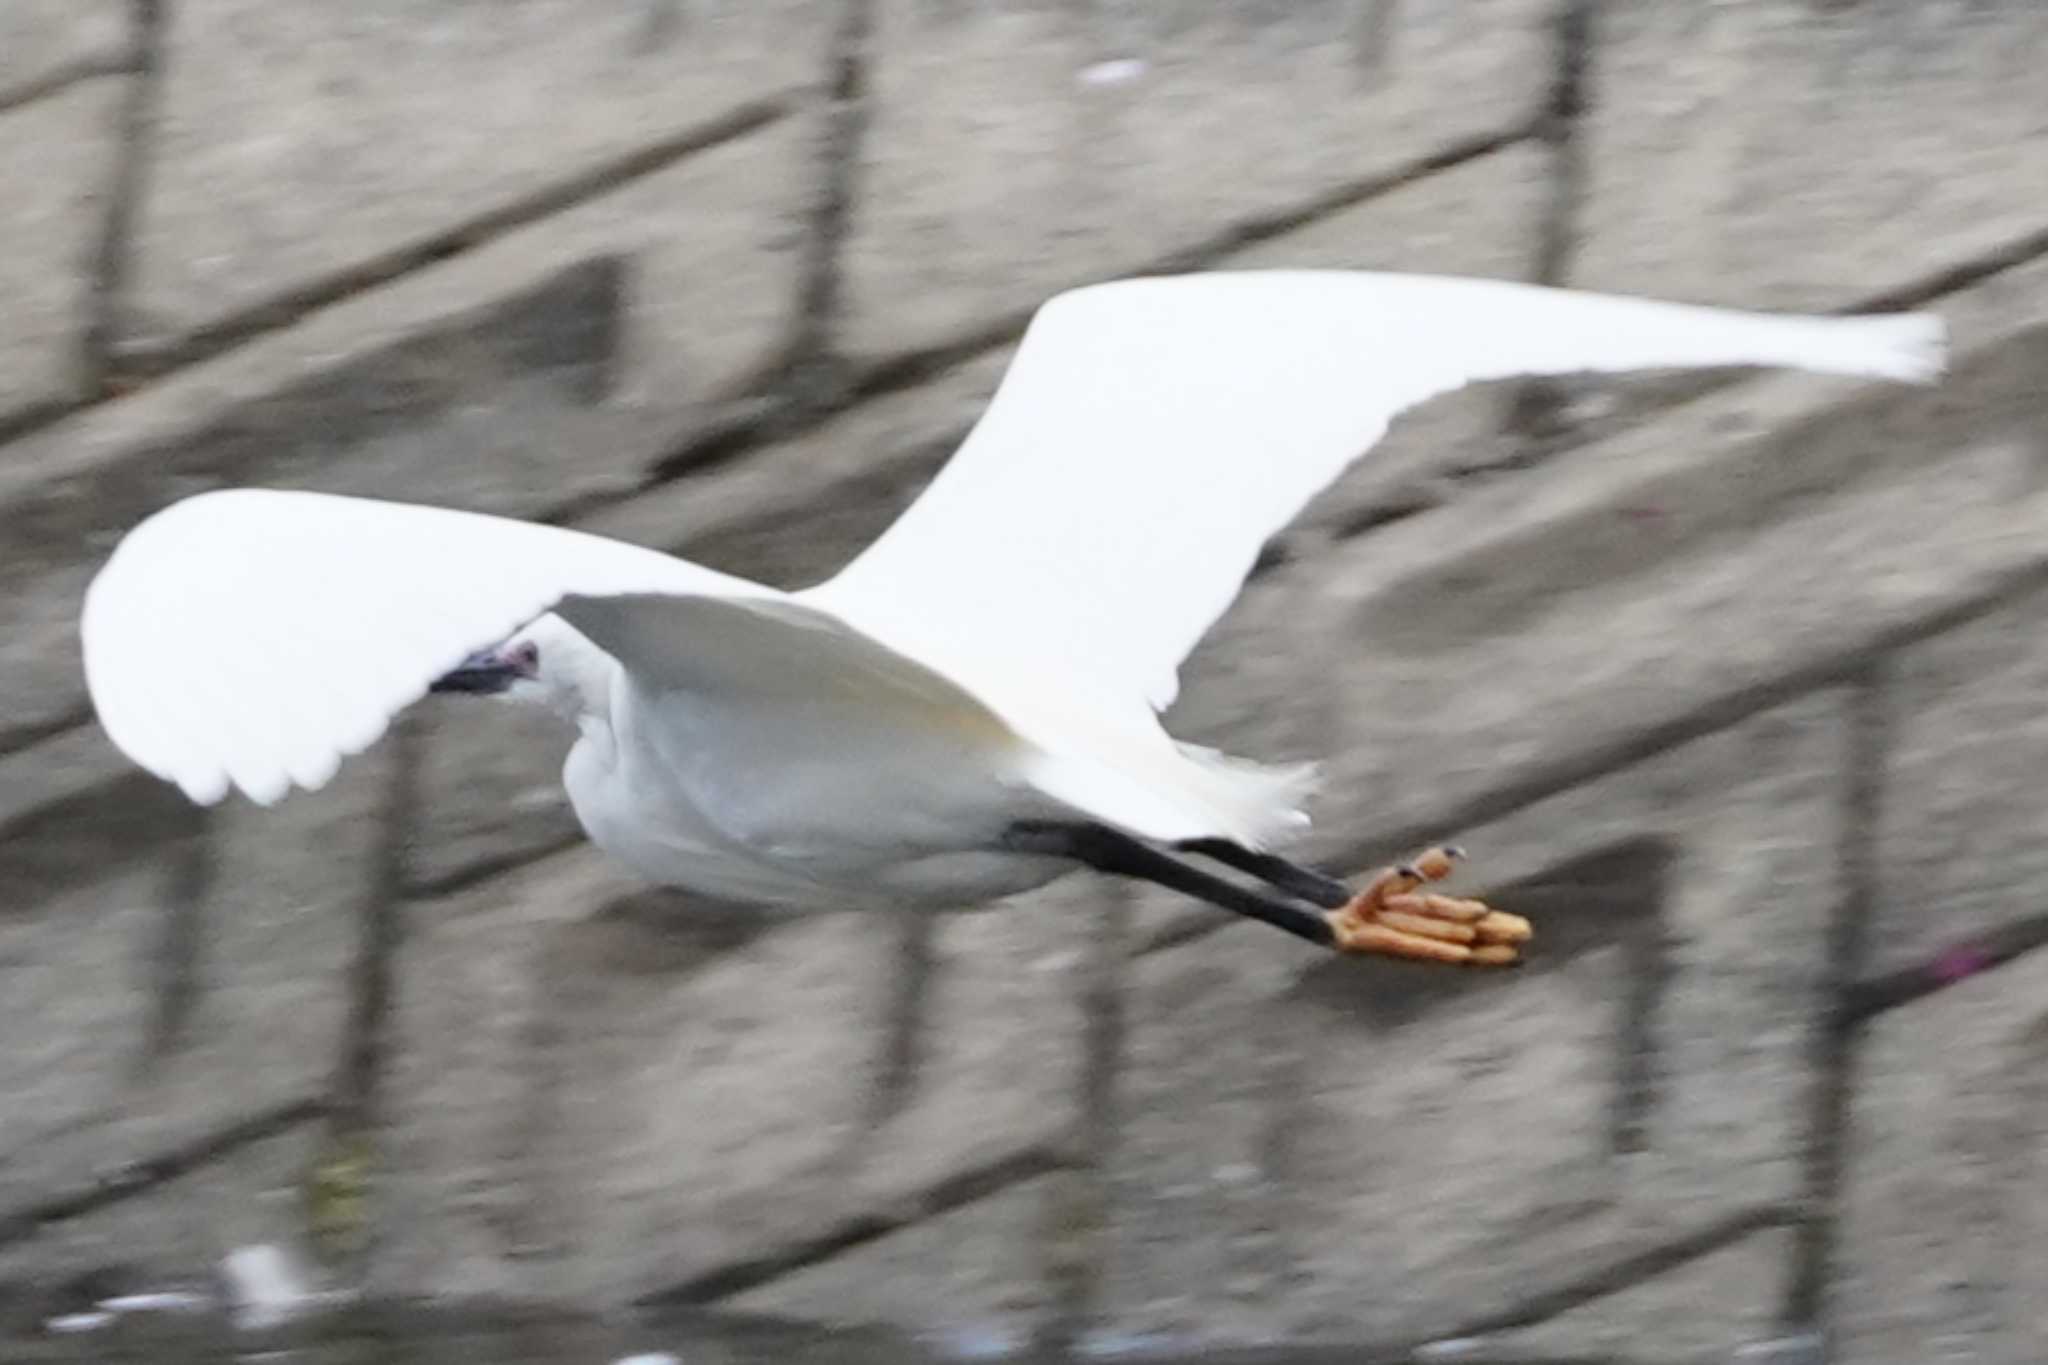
550	663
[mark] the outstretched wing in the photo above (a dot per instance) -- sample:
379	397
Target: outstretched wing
1152	434
255	638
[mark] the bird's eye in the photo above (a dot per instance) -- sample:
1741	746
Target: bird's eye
526	657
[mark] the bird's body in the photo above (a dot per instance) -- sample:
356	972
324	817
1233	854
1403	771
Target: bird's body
734	796
970	707
880	792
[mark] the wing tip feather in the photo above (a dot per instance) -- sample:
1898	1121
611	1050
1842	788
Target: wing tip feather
201	789
1910	347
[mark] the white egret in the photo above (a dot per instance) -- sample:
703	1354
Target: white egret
971	706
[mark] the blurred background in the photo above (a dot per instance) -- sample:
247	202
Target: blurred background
1734	683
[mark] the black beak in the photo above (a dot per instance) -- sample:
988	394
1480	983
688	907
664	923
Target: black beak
483	674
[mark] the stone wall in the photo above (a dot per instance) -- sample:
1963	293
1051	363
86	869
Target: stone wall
1735	683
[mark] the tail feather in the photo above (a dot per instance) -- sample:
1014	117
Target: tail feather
1909	347
1258	804
1172	792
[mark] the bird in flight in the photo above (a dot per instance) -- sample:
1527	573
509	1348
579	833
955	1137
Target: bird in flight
969	709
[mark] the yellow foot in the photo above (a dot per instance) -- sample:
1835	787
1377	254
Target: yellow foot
1394	916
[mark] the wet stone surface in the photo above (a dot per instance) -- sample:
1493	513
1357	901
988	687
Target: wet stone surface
1738	698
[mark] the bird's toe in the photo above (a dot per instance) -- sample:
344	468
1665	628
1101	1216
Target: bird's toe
1392	916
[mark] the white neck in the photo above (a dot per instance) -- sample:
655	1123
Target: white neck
576	677
579	687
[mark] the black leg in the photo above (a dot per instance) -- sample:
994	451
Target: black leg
1293	878
1107	850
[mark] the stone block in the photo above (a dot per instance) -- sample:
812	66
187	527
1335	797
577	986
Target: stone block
1013	150
599	1092
75	1003
1806	157
57	155
42	41
491	785
1720	1308
1962	800
472	1022
379	127
1944	1224
68	765
169	1239
1194	1222
967	1279
183	977
998	1055
795	512
1786	155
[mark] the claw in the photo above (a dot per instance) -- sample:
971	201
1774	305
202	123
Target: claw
1435	865
1392	916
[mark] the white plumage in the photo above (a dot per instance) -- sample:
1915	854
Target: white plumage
1000	654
